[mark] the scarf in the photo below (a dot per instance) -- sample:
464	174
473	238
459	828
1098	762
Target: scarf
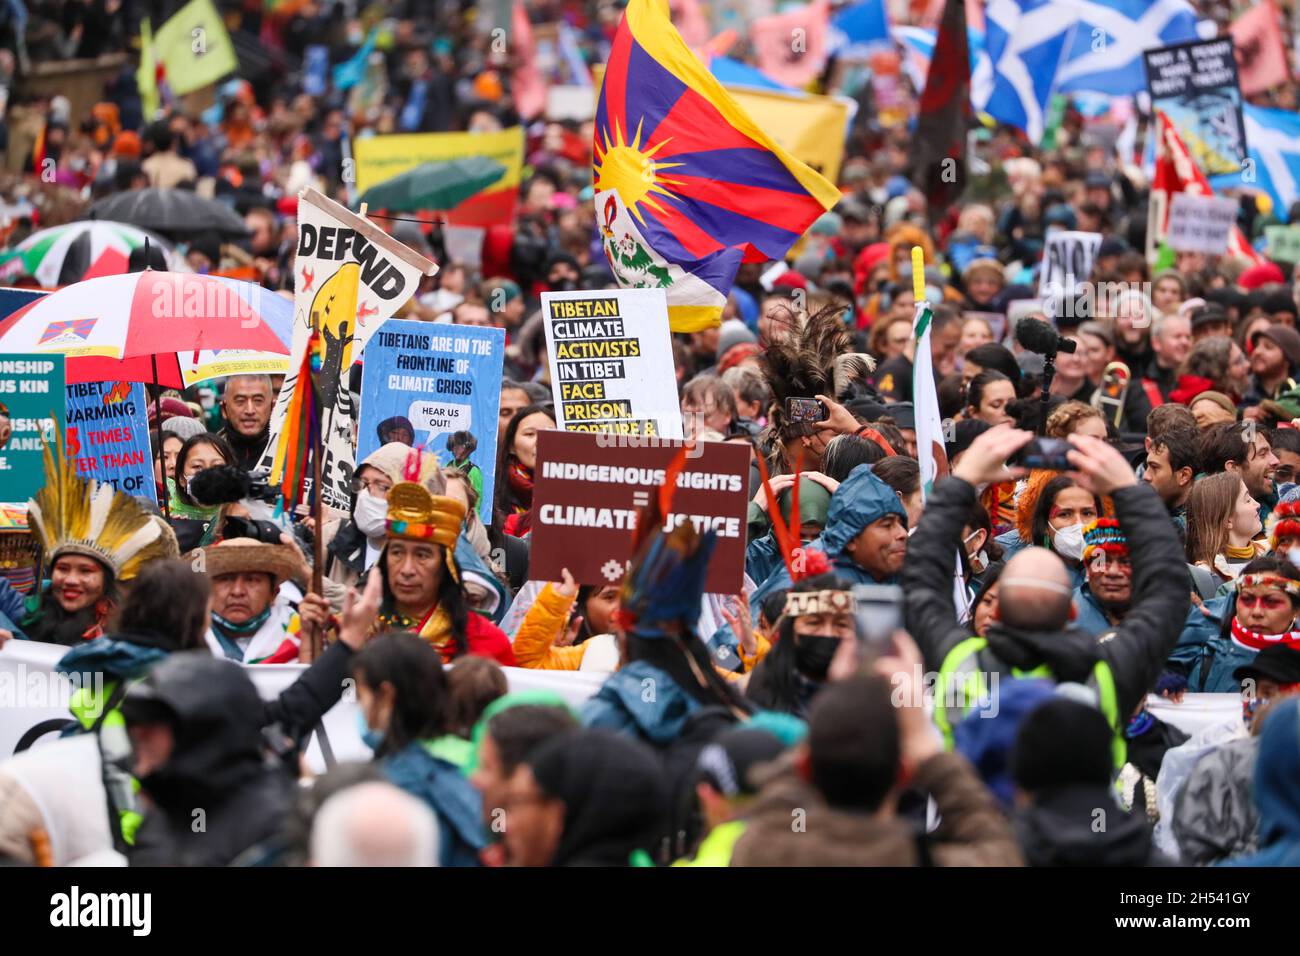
520	481
434	628
183	509
1242	636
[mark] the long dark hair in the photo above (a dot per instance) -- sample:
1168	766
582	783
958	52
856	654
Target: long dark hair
420	700
167	607
501	493
777	689
451	598
194	441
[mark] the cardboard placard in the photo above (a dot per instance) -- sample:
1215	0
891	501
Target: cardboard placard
1067	264
108	435
31	403
1196	86
1201	223
611	359
442	379
1283	243
588	490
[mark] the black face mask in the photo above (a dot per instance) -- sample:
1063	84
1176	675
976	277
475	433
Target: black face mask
563	285
813	654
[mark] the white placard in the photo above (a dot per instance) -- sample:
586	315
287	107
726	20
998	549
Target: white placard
1067	264
1201	223
611	360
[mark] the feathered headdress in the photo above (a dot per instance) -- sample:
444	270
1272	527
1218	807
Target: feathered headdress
815	358
666	580
74	515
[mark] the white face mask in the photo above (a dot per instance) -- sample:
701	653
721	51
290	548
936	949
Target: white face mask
1068	542
1293	555
370	514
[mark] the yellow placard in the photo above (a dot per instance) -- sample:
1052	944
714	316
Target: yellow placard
379	158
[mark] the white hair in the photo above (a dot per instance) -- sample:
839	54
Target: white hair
374	824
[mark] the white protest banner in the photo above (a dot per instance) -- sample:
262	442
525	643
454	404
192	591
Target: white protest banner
32	695
611	360
1201	223
1067	264
339	252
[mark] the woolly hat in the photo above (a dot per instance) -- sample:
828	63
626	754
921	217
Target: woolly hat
1284	337
1259	275
1062	742
183	428
1105	535
733	332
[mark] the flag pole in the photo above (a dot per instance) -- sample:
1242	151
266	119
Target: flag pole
162	466
312	644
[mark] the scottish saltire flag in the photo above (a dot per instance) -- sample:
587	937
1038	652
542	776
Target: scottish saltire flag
687	186
1025	42
1273	141
859	28
1105	55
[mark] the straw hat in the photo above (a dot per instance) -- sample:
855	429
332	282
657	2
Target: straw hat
282	562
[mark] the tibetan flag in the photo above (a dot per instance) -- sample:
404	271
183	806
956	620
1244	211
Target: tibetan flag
687	186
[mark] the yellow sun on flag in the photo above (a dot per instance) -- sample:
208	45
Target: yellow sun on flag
632	172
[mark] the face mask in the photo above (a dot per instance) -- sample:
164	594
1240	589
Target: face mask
1068	542
370	514
563	285
1293	555
979	560
813	654
371	738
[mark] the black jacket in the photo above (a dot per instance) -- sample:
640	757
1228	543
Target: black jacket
1083	826
1137	405
248	451
217	794
1137	652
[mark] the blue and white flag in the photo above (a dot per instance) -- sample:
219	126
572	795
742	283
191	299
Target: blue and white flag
1025	43
1273	140
1105	55
918	49
859	28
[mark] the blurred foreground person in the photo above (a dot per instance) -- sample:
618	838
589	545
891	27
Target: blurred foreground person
374	824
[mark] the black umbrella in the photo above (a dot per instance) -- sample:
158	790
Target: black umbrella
171	212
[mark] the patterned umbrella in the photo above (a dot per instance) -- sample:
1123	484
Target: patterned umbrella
118	328
70	253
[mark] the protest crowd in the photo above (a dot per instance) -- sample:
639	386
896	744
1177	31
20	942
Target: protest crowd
646	485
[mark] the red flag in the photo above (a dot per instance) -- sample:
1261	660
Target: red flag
528	87
1176	172
938	159
1261	55
791	47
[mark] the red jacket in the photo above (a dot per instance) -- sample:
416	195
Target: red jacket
485	639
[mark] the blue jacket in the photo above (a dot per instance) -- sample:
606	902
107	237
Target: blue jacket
1012	544
861	499
642	701
1206	652
1091	615
1277	789
116	657
472	566
448	793
13	607
762	557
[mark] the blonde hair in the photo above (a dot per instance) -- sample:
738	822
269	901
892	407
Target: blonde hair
1209	507
1064	420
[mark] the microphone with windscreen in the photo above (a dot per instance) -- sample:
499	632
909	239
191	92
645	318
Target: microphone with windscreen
1037	336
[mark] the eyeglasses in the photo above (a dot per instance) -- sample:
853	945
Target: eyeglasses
379	487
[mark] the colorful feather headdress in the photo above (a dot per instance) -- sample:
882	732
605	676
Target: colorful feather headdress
74	515
417	514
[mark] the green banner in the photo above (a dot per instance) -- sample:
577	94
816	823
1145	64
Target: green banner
31	402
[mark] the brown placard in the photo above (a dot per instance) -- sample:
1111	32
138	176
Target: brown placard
589	488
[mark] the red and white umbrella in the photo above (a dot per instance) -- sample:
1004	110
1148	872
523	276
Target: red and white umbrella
132	327
62	255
